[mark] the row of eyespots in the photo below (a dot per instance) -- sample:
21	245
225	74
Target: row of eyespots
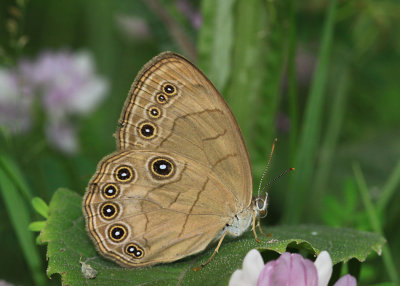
122	174
148	130
109	210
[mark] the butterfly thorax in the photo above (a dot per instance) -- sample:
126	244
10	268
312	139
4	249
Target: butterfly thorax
242	220
239	223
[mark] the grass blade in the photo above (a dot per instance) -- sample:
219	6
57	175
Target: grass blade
293	101
18	212
326	153
14	173
301	179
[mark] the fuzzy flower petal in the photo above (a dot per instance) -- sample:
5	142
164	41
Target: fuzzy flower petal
194	16
68	83
289	269
323	263
15	102
134	28
62	135
65	83
248	275
5	283
346	280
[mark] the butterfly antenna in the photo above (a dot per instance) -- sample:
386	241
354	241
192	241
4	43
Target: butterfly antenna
282	174
267	167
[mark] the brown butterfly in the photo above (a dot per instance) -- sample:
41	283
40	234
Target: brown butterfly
181	176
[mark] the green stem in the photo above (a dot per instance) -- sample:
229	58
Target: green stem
375	223
293	102
389	188
331	138
215	42
176	31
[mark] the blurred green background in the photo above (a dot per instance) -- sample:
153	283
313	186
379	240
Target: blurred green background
321	76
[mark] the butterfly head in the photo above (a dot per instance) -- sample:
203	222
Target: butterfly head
260	206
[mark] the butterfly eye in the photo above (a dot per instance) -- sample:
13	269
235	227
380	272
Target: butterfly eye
110	191
147	130
161	98
162	168
154	112
117	233
259	203
169	89
109	210
124	174
134	250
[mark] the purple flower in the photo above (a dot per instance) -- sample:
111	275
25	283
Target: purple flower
133	27
68	83
346	280
15	103
190	13
288	269
5	283
64	83
62	135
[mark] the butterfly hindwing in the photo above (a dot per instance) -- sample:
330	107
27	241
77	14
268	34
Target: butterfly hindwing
166	211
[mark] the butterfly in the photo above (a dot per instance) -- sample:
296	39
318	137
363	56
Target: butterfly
181	176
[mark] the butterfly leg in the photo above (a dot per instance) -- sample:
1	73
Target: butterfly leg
212	255
259	226
254	226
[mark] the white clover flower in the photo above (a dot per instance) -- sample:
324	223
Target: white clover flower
288	269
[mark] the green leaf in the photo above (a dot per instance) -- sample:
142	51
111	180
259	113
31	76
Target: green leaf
40	206
67	241
37	225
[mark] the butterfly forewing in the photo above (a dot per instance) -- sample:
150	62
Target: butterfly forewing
195	121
